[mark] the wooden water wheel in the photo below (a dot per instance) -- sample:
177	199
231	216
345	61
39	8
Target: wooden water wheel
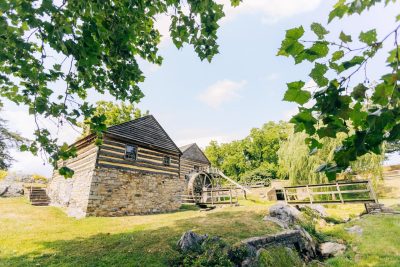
198	182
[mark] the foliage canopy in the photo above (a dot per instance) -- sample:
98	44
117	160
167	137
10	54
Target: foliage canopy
52	53
344	100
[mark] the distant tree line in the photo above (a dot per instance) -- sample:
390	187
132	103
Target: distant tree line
275	151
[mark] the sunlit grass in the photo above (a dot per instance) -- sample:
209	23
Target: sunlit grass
46	236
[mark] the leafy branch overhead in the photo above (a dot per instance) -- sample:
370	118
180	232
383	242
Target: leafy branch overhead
52	53
344	100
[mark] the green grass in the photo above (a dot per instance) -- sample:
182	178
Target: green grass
44	236
378	245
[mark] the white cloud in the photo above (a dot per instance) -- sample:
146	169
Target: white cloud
221	92
271	10
162	25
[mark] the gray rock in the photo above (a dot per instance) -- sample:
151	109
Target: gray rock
331	249
190	240
354	230
287	214
297	239
282	224
8	189
319	209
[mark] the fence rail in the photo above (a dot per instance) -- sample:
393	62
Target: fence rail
340	192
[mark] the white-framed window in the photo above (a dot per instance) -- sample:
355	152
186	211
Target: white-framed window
130	152
167	160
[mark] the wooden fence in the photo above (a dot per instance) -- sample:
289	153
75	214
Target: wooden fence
338	192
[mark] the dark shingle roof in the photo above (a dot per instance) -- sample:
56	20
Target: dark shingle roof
193	152
145	130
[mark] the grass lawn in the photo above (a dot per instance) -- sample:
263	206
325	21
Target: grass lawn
45	236
378	245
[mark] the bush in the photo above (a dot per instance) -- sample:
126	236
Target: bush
257	175
279	257
212	252
3	174
39	178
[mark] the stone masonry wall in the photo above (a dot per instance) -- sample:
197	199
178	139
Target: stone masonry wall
73	193
117	192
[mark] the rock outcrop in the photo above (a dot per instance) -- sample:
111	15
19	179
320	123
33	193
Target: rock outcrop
331	249
190	240
282	214
297	239
9	189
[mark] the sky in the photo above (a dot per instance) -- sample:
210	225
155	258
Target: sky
242	88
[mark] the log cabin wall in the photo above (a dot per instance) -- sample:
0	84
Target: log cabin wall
149	160
192	159
73	193
122	186
188	166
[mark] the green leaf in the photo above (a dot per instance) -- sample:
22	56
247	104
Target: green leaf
319	30
345	38
359	91
317	50
290	45
317	74
304	121
382	94
66	172
368	37
294	93
337	55
357	115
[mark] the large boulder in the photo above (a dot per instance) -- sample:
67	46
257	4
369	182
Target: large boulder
11	189
190	240
297	239
331	249
283	215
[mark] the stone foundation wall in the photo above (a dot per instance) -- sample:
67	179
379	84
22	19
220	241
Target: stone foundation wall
117	192
73	193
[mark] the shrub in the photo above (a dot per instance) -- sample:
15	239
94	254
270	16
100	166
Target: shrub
212	252
3	174
39	178
279	257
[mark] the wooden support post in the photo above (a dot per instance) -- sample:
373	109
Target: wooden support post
371	191
230	194
340	193
284	195
212	199
309	194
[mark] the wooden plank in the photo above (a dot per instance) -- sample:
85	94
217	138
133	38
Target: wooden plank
133	168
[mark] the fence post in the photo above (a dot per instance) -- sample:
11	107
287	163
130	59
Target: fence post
309	195
340	193
230	195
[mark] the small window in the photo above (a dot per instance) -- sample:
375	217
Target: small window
130	152
167	160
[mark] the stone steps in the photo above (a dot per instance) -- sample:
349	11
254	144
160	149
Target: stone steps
38	196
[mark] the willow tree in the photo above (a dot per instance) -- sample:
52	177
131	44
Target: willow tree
297	164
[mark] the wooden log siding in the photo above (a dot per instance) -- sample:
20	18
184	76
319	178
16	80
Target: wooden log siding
84	162
112	155
187	166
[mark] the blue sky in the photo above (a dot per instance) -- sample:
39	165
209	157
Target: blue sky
240	89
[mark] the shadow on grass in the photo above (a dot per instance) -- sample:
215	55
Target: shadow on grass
144	247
